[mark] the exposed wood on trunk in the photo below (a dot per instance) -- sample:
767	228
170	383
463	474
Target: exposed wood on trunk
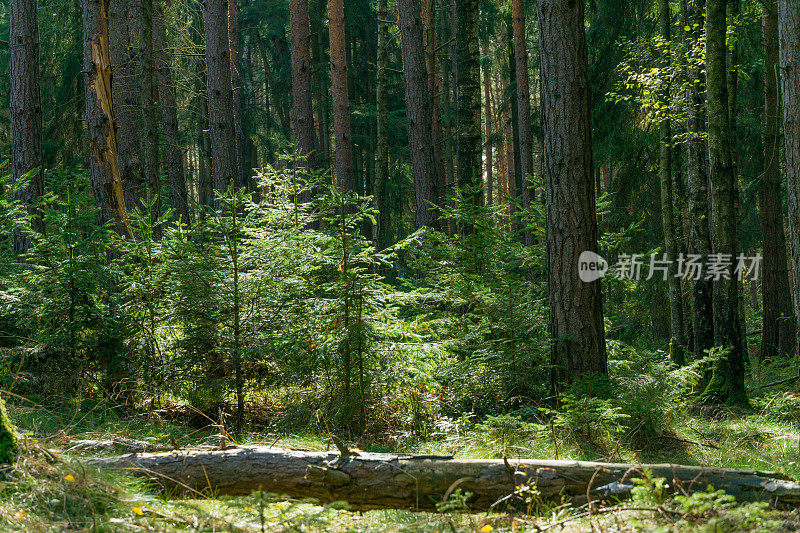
26	114
375	481
104	168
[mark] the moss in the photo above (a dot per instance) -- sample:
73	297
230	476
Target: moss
9	440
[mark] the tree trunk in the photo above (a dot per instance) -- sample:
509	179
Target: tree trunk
382	166
125	96
301	83
142	16
778	322
487	125
242	161
468	84
434	90
26	115
384	481
677	341
699	220
224	168
789	37
341	102
103	164
173	153
516	179
727	381
523	105
418	113
576	309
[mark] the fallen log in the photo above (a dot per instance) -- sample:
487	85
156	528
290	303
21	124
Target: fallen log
375	481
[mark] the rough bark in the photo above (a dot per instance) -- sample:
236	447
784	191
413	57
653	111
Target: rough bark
677	341
26	114
418	113
382	166
576	308
487	126
697	180
375	481
523	102
429	30
301	82
242	161
224	166
173	152
125	95
727	381
141	15
468	105
789	38
515	164
103	164
341	102
778	322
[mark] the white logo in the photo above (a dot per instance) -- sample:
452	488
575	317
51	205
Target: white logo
591	266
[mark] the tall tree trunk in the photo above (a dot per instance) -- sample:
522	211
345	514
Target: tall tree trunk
778	322
173	153
142	17
301	82
26	115
224	168
382	166
319	81
698	211
104	169
523	104
727	381
468	84
418	113
487	126
125	96
447	117
341	102
576	309
516	179
434	90
677	341
789	37
242	161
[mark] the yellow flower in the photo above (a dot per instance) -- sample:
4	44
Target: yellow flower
138	510
487	528
69	477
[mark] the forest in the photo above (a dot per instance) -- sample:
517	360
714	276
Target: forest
399	265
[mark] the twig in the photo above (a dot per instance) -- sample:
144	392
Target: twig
774	383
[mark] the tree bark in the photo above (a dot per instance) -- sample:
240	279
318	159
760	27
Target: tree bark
103	163
224	168
523	105
468	84
487	126
173	153
789	37
301	83
727	381
576	309
242	161
418	113
429	31
698	211
778	322
26	115
677	341
382	166
341	101
381	481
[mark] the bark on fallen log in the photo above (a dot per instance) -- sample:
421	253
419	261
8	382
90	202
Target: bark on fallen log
375	481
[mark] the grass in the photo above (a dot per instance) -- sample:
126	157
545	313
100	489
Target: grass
57	493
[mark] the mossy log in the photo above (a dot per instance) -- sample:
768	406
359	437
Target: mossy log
9	439
375	481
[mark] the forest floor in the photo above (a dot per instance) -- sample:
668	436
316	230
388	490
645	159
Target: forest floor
59	493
